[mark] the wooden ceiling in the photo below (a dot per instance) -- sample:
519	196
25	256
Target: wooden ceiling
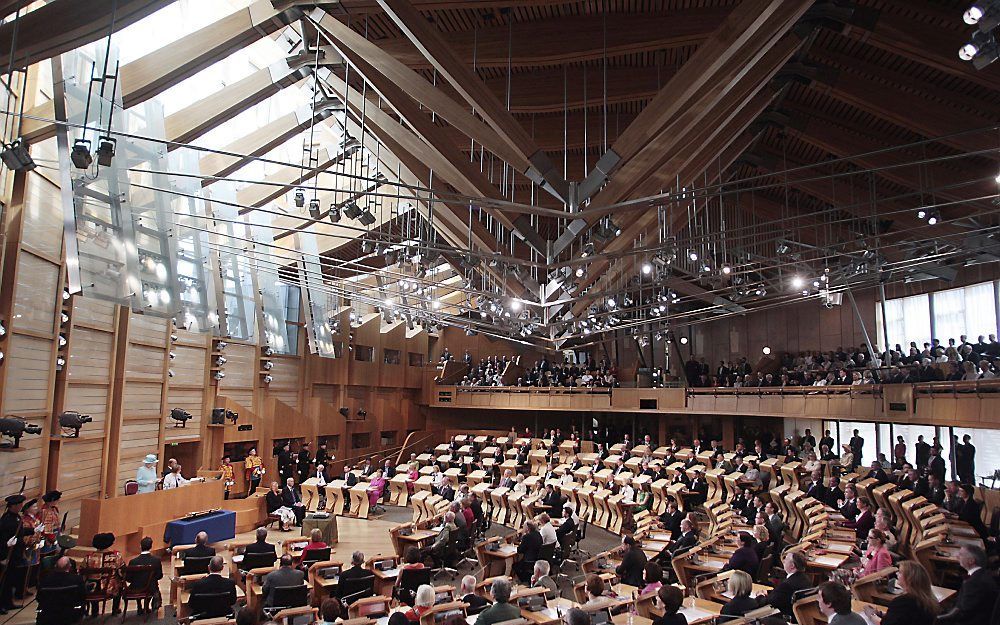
495	100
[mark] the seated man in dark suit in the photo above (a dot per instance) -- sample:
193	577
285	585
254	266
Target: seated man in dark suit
688	538
796	579
214	583
357	567
61	609
293	500
671	519
284	575
468	594
260	545
978	593
200	549
566	532
145	558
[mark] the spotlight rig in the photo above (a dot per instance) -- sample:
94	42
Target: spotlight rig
220	415
181	417
71	422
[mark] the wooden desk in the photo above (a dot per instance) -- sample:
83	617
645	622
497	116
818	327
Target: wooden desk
335	497
147	514
503	558
359	500
310	493
398	493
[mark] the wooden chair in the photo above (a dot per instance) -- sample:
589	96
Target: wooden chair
99	582
140	586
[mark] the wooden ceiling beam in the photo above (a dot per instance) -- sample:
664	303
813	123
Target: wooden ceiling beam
257	142
467	179
152	74
65	25
196	119
433	98
925	43
431	43
570	38
925	117
859	145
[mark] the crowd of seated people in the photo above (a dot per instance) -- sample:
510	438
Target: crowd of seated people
543	373
956	361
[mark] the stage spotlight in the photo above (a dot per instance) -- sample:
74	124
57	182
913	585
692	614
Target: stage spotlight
515	305
693	255
181	417
16	157
267	365
766	350
588	250
218	375
726	270
684	340
314	211
221	345
80	156
268	379
300	199
220	360
16	427
352	210
981	50
73	420
106	151
921	214
367	218
647	269
344	411
220	415
798	282
984	14
334	214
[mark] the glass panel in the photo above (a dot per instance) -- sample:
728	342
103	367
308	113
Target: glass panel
986	460
236	273
911	434
969	311
321	313
867	432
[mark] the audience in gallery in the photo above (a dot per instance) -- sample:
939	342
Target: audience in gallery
543	373
934	362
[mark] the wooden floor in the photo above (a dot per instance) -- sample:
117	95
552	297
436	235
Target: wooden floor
370	536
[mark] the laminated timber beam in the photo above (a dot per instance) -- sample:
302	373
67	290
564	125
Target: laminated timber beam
154	73
431	43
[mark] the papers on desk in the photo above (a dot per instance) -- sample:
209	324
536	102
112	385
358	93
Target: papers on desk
506	550
696	615
238	558
390	573
834	561
710	564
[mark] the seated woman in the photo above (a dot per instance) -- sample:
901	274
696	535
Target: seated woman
276	507
594	589
652	577
877	556
917	604
422	604
740	585
811	463
412	474
753	474
644	499
376	487
671	599
315	542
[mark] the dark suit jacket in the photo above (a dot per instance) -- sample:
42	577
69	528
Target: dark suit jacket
744	559
279	578
290	496
529	546
738	606
904	610
936	467
261	547
566	527
631	569
145	559
215	584
685	542
273	501
975	600
60	610
971	514
781	596
199	551
448	493
355	572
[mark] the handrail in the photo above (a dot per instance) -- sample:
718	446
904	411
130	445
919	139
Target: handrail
954	386
537	390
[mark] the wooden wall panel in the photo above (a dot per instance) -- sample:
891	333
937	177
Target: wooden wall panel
25	462
29	363
144	363
90	355
79	468
188	365
240	367
141	399
94	313
35	304
152	330
89	399
286	373
288	397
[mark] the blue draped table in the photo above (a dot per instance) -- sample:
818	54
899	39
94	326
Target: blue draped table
218	525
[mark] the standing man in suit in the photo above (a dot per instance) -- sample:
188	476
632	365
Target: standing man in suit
966	464
923	452
214	583
284	575
671	519
978	593
291	498
145	558
857	444
935	464
304	462
286	462
795	580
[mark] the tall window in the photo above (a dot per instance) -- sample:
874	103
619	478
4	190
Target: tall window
906	319
970	310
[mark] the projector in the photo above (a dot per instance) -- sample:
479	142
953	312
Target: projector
15	428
